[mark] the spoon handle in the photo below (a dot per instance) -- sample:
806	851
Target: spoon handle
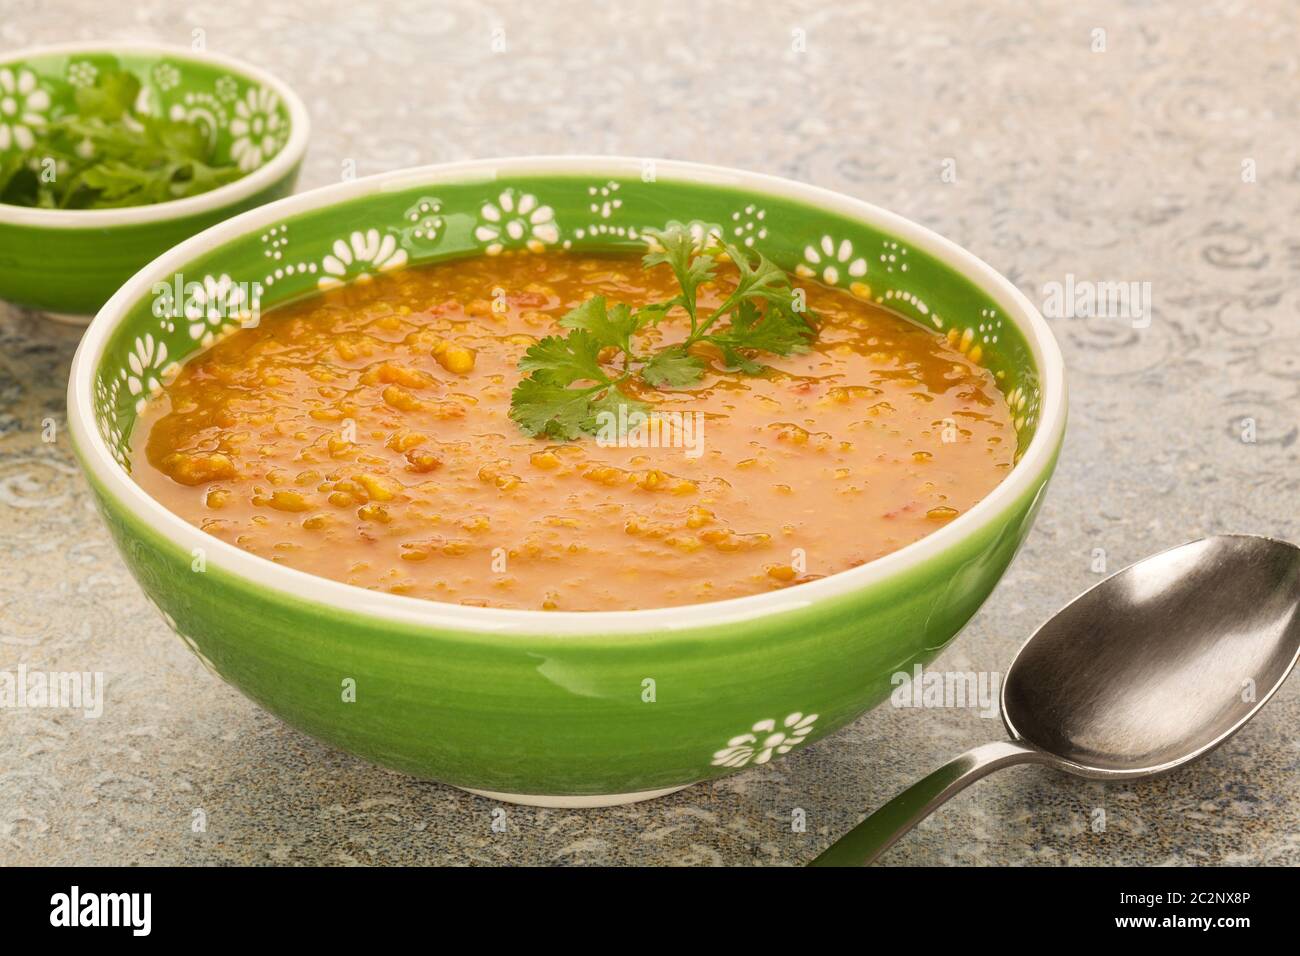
879	831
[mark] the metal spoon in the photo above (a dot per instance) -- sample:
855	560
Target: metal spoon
1148	670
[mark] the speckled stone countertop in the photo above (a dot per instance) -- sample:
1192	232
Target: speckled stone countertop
1130	163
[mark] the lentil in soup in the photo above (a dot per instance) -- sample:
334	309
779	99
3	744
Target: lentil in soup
363	435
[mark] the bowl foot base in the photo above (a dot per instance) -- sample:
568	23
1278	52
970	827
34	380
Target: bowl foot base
575	802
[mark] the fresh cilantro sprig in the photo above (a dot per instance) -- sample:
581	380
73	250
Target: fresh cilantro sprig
572	379
107	155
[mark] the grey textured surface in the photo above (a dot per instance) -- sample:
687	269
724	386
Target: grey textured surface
1118	165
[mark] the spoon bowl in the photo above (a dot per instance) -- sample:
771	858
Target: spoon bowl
1161	662
1146	671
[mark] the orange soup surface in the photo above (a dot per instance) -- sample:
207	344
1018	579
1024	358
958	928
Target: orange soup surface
363	435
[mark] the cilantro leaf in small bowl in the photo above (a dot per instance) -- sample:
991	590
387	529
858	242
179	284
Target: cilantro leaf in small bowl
108	155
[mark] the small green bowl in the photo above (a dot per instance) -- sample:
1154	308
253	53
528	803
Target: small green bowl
67	262
561	708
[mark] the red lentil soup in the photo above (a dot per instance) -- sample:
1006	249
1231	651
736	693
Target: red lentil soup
363	435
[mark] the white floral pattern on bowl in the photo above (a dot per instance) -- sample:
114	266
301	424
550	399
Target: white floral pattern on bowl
202	109
82	73
217	303
166	76
750	747
149	368
749	225
22	107
106	392
360	257
425	224
227	88
258	129
516	218
830	260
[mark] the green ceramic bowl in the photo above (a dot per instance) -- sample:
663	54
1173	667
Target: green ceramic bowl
562	708
68	262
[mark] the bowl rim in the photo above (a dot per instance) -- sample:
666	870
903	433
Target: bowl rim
249	185
258	572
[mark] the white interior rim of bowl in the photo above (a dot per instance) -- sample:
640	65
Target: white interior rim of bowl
303	586
249	185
